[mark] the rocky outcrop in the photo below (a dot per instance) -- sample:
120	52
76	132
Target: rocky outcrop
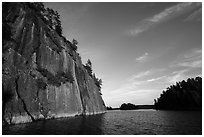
43	77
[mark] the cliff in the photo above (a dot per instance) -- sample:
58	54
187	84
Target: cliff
42	75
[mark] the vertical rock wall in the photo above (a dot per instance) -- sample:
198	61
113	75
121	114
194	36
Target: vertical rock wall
43	77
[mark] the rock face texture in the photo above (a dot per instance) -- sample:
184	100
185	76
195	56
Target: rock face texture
42	76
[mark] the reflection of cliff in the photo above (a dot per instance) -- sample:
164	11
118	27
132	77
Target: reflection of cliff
81	125
185	95
43	77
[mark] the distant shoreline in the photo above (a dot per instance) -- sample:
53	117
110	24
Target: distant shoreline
139	107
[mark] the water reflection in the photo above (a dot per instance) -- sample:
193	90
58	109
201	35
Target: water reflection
91	125
82	125
116	123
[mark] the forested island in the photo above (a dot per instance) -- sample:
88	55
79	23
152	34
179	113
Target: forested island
130	106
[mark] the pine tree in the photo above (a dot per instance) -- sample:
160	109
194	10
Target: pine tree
88	67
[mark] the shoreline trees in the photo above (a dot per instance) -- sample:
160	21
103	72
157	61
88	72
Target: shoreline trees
184	95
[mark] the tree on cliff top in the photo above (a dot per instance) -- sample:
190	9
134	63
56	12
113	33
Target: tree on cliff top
51	17
97	81
88	67
74	41
38	6
74	44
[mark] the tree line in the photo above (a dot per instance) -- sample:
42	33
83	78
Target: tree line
184	95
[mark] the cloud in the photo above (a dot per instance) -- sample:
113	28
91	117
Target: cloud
142	58
135	90
190	59
135	96
139	75
156	79
176	76
145	85
132	82
193	64
195	16
187	64
143	26
143	74
166	14
171	12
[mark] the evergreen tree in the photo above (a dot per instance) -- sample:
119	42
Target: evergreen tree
183	95
88	67
58	26
75	42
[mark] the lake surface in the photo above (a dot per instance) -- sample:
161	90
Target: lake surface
117	122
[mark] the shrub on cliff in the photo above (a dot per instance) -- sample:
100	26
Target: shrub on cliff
88	67
65	76
57	79
52	19
183	95
74	44
97	81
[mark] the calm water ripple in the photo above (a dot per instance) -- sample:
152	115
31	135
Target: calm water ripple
137	122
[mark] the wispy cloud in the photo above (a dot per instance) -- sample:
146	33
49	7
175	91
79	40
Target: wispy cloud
156	79
132	96
144	74
195	16
190	59
171	12
142	58
139	75
151	82
166	14
136	86
146	83
176	76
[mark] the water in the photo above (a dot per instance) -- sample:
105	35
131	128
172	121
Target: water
116	123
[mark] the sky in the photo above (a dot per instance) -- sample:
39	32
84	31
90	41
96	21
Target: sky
137	49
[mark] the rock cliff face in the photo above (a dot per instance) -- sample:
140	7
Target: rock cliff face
43	77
